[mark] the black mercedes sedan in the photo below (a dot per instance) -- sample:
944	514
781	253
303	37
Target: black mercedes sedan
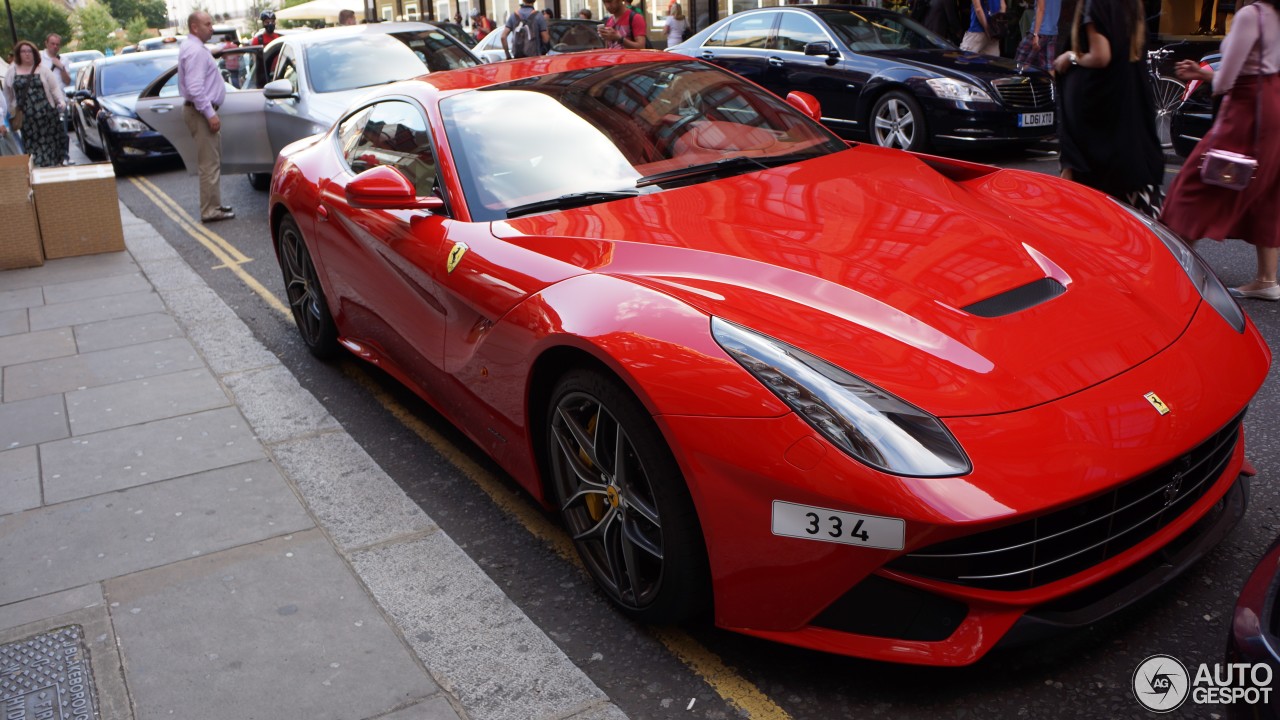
881	76
102	109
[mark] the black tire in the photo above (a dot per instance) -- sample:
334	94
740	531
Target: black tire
623	499
260	181
118	164
306	297
897	121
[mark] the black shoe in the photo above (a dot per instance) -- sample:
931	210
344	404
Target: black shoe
225	208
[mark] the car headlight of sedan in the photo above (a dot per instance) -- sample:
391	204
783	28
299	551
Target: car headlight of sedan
119	123
1206	282
866	422
957	90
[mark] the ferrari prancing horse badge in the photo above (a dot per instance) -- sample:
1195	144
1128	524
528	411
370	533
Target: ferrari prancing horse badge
455	255
1157	403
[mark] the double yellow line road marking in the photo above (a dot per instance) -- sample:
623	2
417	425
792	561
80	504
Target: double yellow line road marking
727	683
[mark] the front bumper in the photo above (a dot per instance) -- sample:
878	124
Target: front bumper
1027	464
135	146
966	126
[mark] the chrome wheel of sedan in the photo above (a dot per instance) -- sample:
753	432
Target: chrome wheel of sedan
897	121
306	298
623	500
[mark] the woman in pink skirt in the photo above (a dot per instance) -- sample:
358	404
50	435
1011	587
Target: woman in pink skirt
1248	123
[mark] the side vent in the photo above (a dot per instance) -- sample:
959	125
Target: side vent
1017	299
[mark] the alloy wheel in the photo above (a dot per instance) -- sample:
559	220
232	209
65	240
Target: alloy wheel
302	286
894	124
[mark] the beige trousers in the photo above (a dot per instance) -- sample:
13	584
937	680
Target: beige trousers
209	157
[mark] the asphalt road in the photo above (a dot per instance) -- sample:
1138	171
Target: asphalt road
698	671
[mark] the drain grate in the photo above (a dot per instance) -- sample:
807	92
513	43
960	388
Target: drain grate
47	676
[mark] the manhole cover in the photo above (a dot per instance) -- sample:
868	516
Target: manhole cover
47	677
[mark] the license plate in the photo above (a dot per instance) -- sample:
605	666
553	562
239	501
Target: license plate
1035	119
815	523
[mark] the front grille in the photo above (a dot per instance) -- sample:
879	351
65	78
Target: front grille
1025	92
1064	542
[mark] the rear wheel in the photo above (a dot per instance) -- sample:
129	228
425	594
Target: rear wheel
897	121
306	298
260	181
623	499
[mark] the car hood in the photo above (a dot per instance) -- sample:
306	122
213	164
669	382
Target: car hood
869	258
122	104
958	64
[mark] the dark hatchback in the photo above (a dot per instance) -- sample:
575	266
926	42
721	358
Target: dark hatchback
106	124
1193	117
880	75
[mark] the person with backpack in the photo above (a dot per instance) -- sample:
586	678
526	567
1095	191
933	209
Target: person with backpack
529	27
624	29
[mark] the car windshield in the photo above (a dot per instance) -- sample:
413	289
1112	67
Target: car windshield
878	31
618	129
574	36
374	59
132	77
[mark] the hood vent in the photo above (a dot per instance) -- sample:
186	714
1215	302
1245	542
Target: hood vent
1017	299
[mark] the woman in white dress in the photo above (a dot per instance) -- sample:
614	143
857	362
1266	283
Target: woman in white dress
676	26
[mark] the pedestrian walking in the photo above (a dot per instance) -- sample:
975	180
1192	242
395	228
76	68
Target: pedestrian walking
35	92
624	29
203	91
481	25
526	33
1248	123
675	26
1106	111
983	36
1039	46
9	144
940	16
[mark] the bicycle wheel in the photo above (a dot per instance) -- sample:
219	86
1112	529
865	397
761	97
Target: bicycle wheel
1168	94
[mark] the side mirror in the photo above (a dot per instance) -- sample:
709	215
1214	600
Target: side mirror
822	48
279	90
805	103
386	188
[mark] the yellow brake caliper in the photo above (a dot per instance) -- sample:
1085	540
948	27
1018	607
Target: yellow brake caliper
596	505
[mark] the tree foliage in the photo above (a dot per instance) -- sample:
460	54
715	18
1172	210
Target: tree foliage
34	20
94	26
155	12
136	29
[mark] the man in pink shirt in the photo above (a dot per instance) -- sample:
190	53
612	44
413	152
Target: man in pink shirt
200	84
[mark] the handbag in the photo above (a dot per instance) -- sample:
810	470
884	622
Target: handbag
15	123
1233	170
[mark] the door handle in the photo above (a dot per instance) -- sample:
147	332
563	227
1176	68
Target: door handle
162	108
322	213
777	62
708	55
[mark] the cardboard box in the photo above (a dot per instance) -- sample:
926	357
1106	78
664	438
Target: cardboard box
78	209
20	237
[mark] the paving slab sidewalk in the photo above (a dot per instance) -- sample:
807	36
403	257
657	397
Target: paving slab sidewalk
186	532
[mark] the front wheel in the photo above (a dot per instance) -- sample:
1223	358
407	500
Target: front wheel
306	298
1168	96
623	499
260	181
897	121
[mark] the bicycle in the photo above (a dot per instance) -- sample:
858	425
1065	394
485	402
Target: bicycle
1168	93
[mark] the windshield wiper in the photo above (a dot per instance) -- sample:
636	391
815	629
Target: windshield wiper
739	162
571	200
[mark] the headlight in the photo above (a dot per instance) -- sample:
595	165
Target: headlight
866	422
1206	282
957	90
118	123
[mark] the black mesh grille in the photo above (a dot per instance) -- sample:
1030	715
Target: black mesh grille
1025	92
1062	543
1017	299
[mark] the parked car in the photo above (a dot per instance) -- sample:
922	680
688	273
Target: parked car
762	372
79	56
298	85
1194	115
103	113
158	43
882	76
457	32
73	69
566	36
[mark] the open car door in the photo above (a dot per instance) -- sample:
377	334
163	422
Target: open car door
243	113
